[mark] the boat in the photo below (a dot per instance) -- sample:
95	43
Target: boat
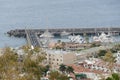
45	38
46	34
103	38
64	34
76	39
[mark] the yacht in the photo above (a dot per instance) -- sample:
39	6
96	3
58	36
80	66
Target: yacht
103	38
46	34
45	38
76	39
64	34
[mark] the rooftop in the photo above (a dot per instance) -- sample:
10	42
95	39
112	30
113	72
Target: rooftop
54	51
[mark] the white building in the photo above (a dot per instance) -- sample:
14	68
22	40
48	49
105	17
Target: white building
58	57
118	57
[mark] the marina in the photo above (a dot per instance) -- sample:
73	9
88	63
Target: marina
59	39
58	31
33	35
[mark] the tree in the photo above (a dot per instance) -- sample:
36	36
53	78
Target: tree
80	76
102	53
27	69
8	65
46	69
26	48
110	59
69	69
55	75
36	49
114	76
32	64
95	44
62	68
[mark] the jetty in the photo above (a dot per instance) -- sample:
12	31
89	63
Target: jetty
32	34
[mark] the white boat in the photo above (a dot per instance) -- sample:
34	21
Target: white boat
76	39
46	34
45	38
103	38
64	34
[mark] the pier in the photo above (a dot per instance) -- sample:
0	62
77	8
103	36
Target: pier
32	34
32	38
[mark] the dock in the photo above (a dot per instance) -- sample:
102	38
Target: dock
32	38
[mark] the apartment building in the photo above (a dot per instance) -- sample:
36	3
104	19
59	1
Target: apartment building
57	57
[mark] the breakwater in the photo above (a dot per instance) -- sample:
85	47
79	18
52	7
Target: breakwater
81	31
32	38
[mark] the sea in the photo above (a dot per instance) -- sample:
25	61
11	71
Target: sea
37	14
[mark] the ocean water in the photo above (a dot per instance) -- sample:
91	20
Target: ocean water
55	14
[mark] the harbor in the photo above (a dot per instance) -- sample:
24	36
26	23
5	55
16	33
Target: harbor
58	31
60	40
33	35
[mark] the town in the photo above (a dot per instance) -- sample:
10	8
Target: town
69	57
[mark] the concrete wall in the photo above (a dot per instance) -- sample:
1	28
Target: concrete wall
69	58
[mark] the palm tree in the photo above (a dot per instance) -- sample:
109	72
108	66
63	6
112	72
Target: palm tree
69	69
46	69
62	68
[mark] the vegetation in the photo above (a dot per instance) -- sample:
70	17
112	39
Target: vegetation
60	45
8	65
114	76
115	48
27	67
102	53
55	75
11	67
110	59
95	44
62	68
66	69
69	69
80	76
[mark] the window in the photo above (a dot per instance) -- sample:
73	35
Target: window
57	64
